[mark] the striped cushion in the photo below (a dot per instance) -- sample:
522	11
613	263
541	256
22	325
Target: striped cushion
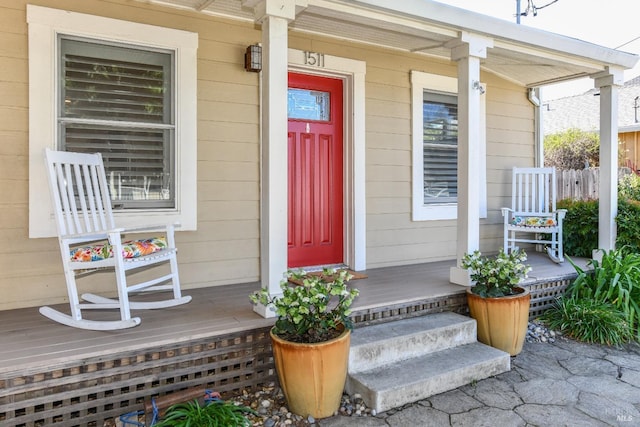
130	249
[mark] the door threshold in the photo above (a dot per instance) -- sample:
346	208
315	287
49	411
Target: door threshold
313	268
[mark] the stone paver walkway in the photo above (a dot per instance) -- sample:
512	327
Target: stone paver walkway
561	384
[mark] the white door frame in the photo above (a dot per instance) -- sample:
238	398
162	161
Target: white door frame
352	72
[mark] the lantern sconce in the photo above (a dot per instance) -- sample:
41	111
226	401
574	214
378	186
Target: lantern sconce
253	58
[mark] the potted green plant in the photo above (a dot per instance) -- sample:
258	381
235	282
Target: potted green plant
499	305
311	338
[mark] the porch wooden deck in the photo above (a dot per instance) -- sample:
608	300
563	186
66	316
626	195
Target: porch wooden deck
28	340
54	374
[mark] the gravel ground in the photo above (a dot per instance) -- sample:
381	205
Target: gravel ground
537	332
272	409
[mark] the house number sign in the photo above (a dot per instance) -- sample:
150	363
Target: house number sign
314	59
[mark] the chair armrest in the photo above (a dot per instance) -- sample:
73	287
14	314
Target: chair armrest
150	227
505	211
94	237
561	213
89	237
168	229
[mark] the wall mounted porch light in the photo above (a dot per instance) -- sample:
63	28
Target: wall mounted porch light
477	86
253	58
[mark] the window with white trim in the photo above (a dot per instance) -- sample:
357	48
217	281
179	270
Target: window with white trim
440	147
435	148
105	85
117	100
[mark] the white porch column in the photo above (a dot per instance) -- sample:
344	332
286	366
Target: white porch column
274	15
467	51
608	81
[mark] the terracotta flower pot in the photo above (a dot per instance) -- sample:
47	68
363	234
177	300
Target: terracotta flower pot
312	376
502	321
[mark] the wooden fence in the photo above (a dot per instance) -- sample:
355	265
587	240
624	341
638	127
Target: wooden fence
581	184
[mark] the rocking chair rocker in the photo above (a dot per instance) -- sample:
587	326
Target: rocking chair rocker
533	211
89	241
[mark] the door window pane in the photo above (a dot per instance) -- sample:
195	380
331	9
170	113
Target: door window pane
307	104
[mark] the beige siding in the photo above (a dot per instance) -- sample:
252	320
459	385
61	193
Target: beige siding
510	127
14	269
225	248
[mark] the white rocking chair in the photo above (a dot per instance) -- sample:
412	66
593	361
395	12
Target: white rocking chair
533	211
89	241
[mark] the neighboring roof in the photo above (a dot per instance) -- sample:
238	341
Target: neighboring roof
583	111
524	55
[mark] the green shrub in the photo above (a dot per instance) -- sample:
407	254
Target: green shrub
628	222
580	227
588	320
215	413
615	280
629	187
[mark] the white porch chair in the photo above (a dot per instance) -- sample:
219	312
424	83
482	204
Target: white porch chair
533	212
89	241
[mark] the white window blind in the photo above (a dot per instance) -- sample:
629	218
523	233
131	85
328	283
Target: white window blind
440	147
117	100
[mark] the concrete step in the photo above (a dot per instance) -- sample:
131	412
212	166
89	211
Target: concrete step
387	343
417	378
399	362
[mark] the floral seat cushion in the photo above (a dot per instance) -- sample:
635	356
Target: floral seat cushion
130	249
533	221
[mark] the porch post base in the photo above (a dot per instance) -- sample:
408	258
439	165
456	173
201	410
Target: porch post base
459	276
596	255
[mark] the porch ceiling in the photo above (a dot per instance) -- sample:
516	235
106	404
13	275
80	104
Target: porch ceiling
524	55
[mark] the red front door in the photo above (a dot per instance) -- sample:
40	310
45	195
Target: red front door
315	234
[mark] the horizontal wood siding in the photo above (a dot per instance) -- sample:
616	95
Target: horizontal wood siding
510	142
392	238
225	248
17	259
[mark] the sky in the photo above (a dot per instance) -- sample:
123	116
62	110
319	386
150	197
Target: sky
610	23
